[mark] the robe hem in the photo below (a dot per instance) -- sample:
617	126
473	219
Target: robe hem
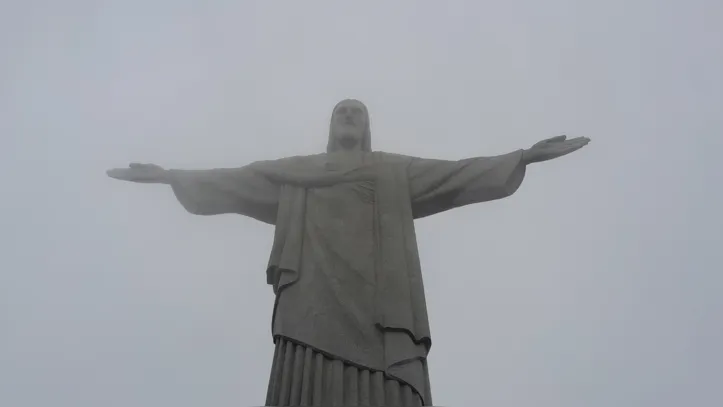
357	365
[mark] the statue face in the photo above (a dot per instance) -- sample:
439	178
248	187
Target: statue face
349	122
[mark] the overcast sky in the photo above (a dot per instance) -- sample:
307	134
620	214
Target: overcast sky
597	284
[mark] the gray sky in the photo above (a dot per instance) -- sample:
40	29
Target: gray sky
597	284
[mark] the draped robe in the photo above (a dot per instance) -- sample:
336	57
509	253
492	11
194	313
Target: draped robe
344	263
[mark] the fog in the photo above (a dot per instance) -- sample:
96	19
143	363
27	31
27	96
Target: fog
597	284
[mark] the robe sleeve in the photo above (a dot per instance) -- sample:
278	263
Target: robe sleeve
242	191
439	185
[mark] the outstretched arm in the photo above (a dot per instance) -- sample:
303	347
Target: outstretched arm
440	185
212	192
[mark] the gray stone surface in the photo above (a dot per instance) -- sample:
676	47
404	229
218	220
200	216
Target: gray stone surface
344	262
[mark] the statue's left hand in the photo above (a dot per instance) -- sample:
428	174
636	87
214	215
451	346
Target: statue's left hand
144	173
553	148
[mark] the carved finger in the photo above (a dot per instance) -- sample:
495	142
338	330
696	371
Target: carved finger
556	139
583	140
575	143
118	173
547	142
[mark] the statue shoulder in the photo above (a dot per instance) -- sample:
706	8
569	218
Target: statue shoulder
294	161
392	158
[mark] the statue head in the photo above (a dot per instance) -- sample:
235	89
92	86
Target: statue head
349	128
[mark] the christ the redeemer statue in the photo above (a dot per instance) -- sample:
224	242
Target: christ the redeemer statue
350	321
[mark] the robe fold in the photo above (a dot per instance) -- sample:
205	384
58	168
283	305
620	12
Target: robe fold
344	263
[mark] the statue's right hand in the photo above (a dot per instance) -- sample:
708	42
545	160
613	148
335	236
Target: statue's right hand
145	173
